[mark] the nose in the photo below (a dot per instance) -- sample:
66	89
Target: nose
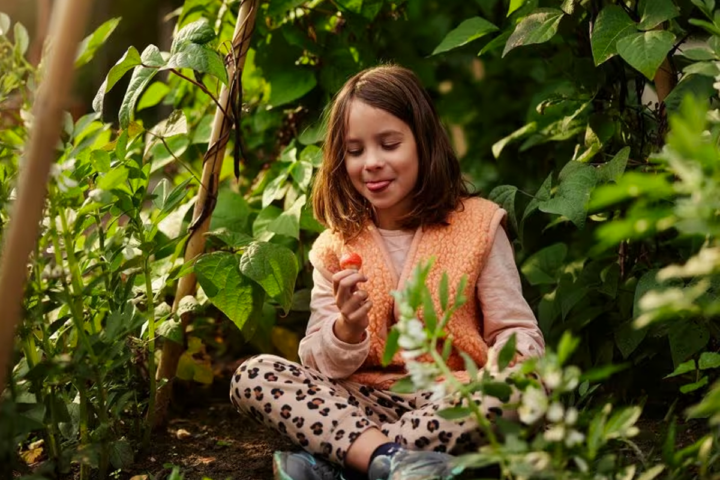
374	159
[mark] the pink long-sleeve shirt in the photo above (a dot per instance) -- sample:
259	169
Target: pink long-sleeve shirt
499	292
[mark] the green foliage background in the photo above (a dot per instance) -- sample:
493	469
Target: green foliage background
550	104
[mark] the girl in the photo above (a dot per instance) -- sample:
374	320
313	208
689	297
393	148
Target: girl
391	190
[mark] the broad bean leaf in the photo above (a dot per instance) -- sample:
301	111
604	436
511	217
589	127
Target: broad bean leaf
152	61
646	51
542	267
469	30
504	195
127	62
199	58
22	39
4	23
614	169
273	267
654	12
199	32
538	27
289	84
687	337
234	294
577	181
612	24
709	360
91	43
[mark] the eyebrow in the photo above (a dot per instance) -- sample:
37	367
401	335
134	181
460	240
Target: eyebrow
383	134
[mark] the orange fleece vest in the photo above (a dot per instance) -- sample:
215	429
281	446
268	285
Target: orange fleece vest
459	248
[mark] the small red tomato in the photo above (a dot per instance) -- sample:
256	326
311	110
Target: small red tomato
351	260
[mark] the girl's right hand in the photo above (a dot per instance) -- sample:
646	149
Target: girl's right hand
353	304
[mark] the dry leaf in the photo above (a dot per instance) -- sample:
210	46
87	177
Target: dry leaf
182	434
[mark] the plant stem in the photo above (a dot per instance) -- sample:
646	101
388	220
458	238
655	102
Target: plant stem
150	421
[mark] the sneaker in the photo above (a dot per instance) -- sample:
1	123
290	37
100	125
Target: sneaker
414	465
303	466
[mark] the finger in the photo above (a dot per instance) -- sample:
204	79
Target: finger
355	301
348	285
359	317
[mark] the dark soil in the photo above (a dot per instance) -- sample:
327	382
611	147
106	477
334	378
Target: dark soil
221	445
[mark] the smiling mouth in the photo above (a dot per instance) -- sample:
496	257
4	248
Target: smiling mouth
377	186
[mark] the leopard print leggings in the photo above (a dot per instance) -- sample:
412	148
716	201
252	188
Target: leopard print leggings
325	416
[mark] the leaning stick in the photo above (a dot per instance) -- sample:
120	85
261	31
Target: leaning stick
66	30
207	196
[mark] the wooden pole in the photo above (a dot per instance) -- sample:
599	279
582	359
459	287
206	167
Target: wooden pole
66	31
207	195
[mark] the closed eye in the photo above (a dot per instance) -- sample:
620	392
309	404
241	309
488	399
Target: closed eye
355	153
391	146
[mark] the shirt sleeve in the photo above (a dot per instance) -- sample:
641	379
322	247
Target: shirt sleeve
505	310
320	348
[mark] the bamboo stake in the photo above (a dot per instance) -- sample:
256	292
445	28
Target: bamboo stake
66	30
205	204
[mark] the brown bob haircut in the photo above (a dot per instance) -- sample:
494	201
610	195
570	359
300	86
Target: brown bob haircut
440	186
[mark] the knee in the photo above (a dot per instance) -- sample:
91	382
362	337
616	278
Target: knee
248	380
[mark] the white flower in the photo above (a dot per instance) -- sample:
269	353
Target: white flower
571	378
555	433
438	391
412	334
556	412
571	416
423	375
130	252
574	438
538	461
534	405
552	378
100	196
57	171
409	355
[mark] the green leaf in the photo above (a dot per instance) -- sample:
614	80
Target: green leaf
566	347
687	337
507	353
614	169
499	390
279	8
698	86
391	346
288	223
469	30
121	454
612	24
686	367
646	51
454	413
631	185
234	294
153	95
654	12
113	179
538	27
691	387
274	190
709	360
90	45
199	33
429	314
175	124
127	62
168	197
231	212
302	174
628	338
266	216
699	54
152	61
619	423
542	267
274	267
199	58
22	39
290	84
443	292
504	195
495	43
542	195
172	330
514	5
498	146
577	181
230	238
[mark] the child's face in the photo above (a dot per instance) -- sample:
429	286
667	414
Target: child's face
382	161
